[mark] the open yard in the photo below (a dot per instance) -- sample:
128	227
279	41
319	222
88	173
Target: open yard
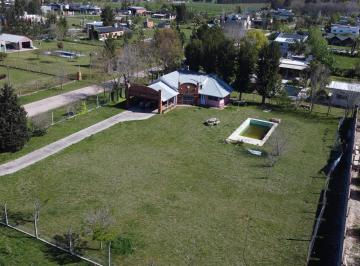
345	62
179	193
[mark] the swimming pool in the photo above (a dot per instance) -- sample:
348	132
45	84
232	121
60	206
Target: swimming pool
253	131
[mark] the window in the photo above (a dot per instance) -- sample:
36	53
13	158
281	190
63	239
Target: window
212	98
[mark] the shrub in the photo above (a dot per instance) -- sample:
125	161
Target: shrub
123	246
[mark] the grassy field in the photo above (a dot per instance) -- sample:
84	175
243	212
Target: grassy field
180	194
17	249
345	62
24	81
62	130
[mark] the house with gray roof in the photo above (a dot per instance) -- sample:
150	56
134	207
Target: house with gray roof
285	40
183	87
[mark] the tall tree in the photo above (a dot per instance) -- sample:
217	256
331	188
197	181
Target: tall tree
168	48
319	47
61	28
181	13
210	50
268	78
107	16
13	125
245	66
319	77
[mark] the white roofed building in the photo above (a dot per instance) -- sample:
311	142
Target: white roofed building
11	42
344	94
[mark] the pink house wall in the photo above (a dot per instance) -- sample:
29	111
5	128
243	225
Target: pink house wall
220	103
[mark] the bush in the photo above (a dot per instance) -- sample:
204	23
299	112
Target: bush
123	246
2	56
39	126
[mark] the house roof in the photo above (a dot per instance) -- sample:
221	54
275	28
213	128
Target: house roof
210	85
13	38
166	92
344	86
291	37
109	29
293	64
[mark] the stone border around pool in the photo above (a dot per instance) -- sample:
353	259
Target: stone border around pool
235	137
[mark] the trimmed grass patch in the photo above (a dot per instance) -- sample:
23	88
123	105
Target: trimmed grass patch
182	196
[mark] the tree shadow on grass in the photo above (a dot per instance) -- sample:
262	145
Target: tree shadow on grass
20	218
59	257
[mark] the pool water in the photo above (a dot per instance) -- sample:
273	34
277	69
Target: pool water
255	131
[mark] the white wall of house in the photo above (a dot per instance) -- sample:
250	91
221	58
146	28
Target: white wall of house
345	29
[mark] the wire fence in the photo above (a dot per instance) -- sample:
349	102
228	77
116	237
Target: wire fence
336	174
40	123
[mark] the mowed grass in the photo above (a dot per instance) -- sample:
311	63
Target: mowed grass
62	130
18	249
345	62
22	80
38	60
180	193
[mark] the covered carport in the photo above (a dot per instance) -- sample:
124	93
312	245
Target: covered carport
150	97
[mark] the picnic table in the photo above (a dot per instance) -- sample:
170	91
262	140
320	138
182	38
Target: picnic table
212	122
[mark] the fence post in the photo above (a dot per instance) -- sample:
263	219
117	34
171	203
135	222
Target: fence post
52	118
109	254
6	215
70	242
97	101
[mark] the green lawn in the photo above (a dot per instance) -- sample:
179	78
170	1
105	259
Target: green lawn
180	194
39	61
17	249
24	81
345	62
63	129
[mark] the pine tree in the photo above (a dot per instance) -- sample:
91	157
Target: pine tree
107	16
245	66
268	78
13	124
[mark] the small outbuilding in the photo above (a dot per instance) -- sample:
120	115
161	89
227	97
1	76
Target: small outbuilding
11	42
344	94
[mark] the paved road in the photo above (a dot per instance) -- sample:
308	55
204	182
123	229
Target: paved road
57	101
44	152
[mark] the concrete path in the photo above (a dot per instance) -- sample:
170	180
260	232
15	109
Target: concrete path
57	101
44	152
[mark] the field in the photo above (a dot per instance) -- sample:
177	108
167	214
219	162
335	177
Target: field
179	193
33	70
345	62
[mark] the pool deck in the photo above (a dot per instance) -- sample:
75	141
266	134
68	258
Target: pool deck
236	137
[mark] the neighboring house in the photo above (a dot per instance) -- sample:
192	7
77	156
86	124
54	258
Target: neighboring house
282	14
103	33
137	10
243	20
94	24
33	18
341	39
182	87
149	24
292	68
285	40
164	25
344	30
10	42
344	94
163	16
